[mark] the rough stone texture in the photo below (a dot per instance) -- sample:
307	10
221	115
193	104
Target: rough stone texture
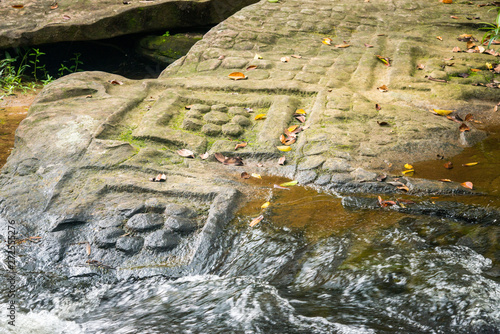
108	237
179	224
130	245
36	23
93	166
143	222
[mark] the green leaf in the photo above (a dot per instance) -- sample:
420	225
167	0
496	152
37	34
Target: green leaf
289	184
273	1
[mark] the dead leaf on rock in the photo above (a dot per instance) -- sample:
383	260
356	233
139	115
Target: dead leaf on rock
378	107
285	59
469	117
454	17
260	165
296	56
408	166
88	249
383	88
420	66
405	188
495	109
251	67
115	82
249	110
475	70
385	60
444	180
300	112
469	164
188	107
17	6
292	128
408	172
256	220
159	178
185	153
237	76
204	156
327	41
448	165
441	112
456	49
280	187
240	145
381	178
66	17
467	184
257	176
220	157
281	160
54	6
464	127
300	118
342	46
245	175
260	116
405	201
447	1
221	57
383	123
470	44
368	45
439	37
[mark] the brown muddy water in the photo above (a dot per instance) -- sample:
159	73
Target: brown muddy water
10	117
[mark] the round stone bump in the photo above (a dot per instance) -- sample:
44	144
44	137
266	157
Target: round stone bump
174	209
232	129
143	222
211	129
162	240
107	238
179	224
129	245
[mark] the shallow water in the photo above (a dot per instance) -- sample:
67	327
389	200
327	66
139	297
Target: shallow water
10	117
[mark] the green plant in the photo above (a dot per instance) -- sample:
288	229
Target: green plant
11	74
73	68
166	34
493	30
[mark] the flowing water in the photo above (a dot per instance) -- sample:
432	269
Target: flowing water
310	266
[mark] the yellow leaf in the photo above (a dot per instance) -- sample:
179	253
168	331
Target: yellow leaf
327	41
470	164
300	111
475	70
289	184
409	172
441	112
292	128
408	166
257	176
284	148
265	205
257	56
260	116
237	76
489	66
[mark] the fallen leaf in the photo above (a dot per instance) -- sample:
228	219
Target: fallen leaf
439	37
383	88
220	157
280	187
381	178
469	164
447	1
289	184
236	161
327	41
467	184
245	175
454	17
368	45
475	70
296	56
469	117
408	166
342	46
204	156
17	6
408	172
300	118
115	82
470	44
448	165
463	75
66	17
495	108
88	249
221	57
405	201
292	128
88	96
441	112
404	187
281	160
188	107
285	59
300	112
240	145
54	6
260	116
259	218
257	56
237	76
251	67
185	153
456	49
284	148
464	128
385	60
377	107
444	180
382	123
265	205
420	66
159	178
249	110
434	79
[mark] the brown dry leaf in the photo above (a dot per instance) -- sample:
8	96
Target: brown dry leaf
495	109
420	66
282	139
447	1
221	57
115	82
260	116
159	178
300	118
251	67
448	165
260	165
444	180
382	177
54	5
368	45
464	127
454	118
296	56
383	88
289	141
240	145
456	49
188	107
469	117
327	41
237	76
454	17
469	164
470	44
382	123
405	188
220	157
281	160
467	184
378	107
237	161
285	59
88	96
185	153
439	37
88	249
475	70
405	201
342	46
245	175
204	156
18	6
256	221
66	17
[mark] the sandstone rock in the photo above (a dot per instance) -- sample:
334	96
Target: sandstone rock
130	245
211	129
162	240
108	237
241	120
178	210
232	129
179	224
216	117
143	222
192	124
